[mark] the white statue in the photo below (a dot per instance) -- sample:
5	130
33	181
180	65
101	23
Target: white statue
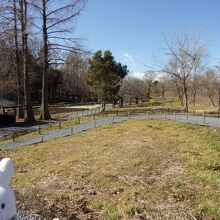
7	197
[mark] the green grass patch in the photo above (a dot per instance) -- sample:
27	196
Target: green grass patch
138	169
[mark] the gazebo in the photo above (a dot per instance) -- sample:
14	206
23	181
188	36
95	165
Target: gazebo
8	112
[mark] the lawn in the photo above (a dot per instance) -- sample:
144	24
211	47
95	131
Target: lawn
139	169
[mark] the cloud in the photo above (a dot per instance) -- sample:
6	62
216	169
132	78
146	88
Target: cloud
139	75
128	58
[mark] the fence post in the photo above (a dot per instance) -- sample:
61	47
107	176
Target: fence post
13	137
204	116
129	114
39	130
187	117
148	115
78	118
174	113
94	123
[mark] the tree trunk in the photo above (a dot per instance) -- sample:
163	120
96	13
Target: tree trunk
211	99
149	91
180	93
121	102
103	105
185	95
163	92
115	101
29	116
194	98
17	71
45	115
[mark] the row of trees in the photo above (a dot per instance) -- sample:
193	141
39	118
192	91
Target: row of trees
40	60
202	88
65	83
136	90
49	20
184	70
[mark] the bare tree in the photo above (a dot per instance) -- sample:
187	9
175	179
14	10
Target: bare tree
16	49
132	88
74	77
209	83
149	78
185	54
9	21
55	16
23	16
195	84
7	85
218	82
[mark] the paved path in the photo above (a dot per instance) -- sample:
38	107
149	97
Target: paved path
64	132
199	120
18	129
191	119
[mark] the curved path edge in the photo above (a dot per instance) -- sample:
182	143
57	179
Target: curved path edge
75	129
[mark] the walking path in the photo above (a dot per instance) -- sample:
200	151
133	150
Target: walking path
18	129
198	120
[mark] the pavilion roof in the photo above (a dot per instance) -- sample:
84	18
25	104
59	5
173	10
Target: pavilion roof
4	103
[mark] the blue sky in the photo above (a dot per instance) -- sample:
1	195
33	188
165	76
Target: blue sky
133	30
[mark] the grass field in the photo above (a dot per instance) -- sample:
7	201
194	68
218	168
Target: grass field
139	169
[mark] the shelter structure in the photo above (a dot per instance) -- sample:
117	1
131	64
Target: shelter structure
8	112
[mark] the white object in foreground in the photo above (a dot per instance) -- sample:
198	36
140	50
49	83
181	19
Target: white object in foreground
7	197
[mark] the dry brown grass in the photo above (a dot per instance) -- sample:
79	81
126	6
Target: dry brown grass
139	169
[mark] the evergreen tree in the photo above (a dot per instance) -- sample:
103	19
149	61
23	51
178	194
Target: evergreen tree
104	75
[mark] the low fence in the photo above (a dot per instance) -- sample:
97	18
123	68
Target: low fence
164	111
14	134
96	113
